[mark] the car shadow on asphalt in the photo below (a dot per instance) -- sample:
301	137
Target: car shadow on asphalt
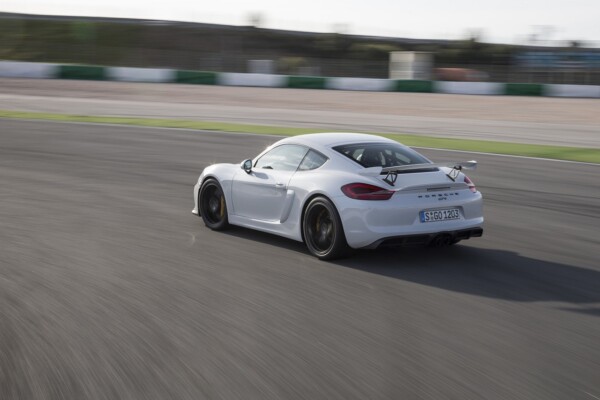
492	273
265	238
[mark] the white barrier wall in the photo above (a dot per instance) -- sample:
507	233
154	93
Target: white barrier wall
572	91
262	80
21	69
128	74
368	84
480	88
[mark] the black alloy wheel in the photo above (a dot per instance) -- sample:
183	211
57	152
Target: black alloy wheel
323	231
213	208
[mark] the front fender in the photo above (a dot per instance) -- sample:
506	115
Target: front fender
224	174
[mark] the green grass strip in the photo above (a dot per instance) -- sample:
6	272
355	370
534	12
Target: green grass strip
162	123
582	154
591	155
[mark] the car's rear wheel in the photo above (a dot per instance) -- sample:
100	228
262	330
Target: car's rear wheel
322	230
213	208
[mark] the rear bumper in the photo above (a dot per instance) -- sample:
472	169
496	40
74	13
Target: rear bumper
435	239
370	223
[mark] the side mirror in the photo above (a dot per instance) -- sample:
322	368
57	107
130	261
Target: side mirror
246	165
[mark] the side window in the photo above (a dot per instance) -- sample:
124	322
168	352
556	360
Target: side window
286	157
312	160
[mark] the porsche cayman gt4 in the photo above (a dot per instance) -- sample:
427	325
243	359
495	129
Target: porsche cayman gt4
342	191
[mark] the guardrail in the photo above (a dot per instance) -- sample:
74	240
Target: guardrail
18	69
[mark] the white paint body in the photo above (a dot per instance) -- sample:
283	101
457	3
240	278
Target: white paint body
273	201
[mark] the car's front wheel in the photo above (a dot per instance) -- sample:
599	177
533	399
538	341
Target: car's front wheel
211	202
322	230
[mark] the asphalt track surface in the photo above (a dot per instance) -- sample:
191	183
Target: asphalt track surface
537	120
111	289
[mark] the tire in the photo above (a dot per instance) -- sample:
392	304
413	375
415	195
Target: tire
323	231
212	206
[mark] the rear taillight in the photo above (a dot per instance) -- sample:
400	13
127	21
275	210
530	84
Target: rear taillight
364	191
470	184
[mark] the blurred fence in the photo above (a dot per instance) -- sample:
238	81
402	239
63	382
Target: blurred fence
519	74
232	49
228	61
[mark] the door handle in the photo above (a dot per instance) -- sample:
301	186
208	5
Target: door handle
280	185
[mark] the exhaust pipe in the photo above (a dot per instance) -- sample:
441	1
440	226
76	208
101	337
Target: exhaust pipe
441	240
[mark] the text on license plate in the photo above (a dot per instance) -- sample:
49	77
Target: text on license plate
439	215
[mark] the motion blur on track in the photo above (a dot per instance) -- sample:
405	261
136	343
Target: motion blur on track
108	289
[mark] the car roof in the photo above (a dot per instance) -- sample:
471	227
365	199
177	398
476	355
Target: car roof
330	139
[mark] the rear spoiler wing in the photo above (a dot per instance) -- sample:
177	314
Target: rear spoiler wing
392	172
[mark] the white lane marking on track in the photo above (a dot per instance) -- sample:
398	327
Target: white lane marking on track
506	155
596	397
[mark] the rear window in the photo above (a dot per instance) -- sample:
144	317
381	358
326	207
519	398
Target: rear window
381	154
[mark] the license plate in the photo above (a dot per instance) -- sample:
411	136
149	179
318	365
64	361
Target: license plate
439	215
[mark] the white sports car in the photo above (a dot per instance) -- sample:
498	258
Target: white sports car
337	191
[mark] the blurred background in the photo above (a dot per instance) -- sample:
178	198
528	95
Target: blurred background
111	289
538	57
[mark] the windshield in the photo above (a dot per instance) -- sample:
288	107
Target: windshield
381	154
